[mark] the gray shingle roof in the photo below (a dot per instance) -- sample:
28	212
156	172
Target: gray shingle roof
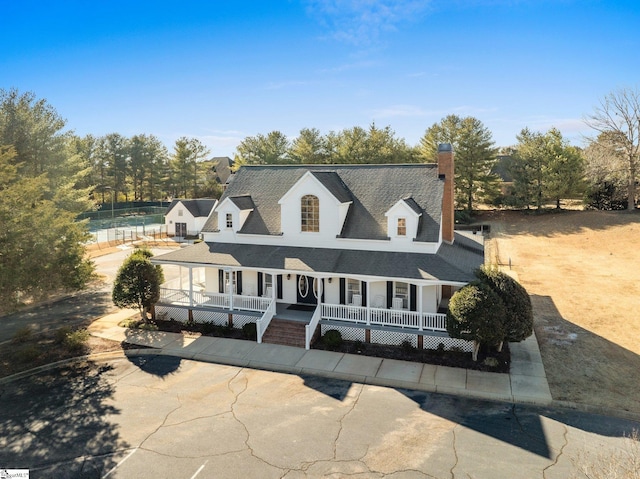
198	208
412	266
243	202
411	203
332	182
374	189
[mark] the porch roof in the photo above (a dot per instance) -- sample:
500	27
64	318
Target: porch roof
410	266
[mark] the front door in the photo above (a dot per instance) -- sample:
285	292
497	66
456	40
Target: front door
308	288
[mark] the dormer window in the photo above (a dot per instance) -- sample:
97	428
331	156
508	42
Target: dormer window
310	213
229	220
402	227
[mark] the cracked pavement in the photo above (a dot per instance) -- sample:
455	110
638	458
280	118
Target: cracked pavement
163	417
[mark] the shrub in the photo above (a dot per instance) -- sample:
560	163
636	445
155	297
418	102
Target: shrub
130	323
28	353
23	335
207	327
518	320
406	346
137	283
76	340
332	339
491	362
147	326
476	314
61	334
249	331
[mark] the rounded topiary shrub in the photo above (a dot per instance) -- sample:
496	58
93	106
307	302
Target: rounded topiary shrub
332	339
518	323
476	314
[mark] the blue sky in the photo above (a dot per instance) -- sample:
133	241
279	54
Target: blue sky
224	70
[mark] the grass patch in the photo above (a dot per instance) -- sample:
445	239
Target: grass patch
22	335
76	341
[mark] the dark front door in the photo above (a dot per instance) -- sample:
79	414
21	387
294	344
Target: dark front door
307	289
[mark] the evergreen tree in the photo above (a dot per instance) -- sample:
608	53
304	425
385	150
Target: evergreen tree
137	283
476	313
272	149
518	318
545	167
188	152
41	245
475	157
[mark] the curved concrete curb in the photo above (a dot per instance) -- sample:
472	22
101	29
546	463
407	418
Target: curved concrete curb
63	362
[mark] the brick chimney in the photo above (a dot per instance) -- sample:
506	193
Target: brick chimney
445	172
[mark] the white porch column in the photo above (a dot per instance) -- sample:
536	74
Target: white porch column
229	286
191	286
420	288
320	281
274	285
368	302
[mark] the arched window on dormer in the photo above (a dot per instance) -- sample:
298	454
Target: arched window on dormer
310	213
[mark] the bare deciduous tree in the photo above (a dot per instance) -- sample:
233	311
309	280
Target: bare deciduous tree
619	114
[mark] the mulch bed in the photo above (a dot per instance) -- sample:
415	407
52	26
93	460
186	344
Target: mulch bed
456	359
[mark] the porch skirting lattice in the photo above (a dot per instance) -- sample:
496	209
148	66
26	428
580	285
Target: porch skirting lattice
430	339
202	316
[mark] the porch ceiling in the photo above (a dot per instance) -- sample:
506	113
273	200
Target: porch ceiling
382	264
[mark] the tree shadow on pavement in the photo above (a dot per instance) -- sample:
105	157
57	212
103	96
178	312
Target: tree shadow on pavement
56	423
335	388
158	365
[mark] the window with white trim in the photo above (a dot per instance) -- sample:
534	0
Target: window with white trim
401	290
229	281
353	287
402	227
310	214
229	220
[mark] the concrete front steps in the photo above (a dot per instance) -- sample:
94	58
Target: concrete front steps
285	332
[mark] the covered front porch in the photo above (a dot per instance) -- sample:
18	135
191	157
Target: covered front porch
361	290
312	300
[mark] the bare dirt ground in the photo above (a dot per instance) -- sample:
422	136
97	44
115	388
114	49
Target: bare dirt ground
582	271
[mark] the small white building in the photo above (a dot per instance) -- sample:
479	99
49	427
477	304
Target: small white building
188	217
369	250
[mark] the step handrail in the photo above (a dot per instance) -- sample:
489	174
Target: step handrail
310	328
263	323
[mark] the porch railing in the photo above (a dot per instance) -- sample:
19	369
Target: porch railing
310	328
263	323
385	317
251	303
214	300
173	296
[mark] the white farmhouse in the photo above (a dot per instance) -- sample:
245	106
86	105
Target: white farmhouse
369	250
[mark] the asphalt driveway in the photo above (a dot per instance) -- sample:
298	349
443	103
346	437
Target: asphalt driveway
163	417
